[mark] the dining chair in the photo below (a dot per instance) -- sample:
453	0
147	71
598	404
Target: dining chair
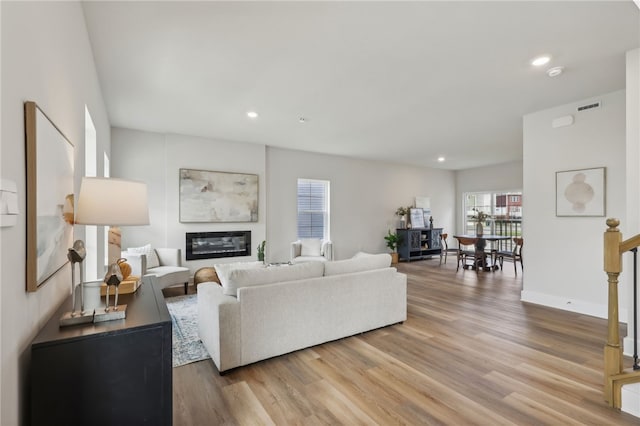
514	255
445	248
467	252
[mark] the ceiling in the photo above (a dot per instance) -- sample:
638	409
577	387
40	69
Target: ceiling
404	82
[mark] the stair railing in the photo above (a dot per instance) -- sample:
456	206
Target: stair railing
615	376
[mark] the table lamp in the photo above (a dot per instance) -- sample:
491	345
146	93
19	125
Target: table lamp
112	202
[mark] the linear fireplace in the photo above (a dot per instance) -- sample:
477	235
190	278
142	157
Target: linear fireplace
210	245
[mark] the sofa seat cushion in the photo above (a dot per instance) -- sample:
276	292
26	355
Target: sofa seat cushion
359	263
169	275
239	278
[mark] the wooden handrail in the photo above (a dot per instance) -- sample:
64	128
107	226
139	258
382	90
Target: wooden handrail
614	374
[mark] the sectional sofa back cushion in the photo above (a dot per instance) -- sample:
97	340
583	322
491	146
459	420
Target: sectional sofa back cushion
223	270
359	263
252	277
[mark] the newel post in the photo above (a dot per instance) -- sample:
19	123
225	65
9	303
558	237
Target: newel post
613	267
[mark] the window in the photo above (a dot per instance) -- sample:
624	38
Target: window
313	208
504	209
90	169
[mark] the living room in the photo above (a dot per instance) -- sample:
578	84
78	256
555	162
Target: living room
48	57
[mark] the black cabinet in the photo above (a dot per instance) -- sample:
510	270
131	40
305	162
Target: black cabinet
419	243
111	373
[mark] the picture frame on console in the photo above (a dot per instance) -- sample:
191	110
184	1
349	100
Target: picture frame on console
210	196
416	216
50	199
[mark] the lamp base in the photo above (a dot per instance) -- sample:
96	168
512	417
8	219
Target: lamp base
73	318
113	313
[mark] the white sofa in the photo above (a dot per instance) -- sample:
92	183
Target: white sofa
261	313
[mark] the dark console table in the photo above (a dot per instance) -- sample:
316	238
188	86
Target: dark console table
419	243
111	373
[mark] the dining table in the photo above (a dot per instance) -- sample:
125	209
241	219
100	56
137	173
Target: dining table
481	245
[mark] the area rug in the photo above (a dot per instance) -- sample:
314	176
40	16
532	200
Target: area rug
187	347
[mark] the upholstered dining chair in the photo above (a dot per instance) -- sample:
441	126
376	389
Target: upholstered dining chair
514	255
467	252
445	248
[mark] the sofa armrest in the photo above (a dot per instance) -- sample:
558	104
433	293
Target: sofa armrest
138	263
296	249
219	325
327	250
169	256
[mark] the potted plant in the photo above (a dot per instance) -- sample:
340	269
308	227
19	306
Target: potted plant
480	217
261	251
392	242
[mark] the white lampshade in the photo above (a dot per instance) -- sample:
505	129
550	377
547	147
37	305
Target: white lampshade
112	202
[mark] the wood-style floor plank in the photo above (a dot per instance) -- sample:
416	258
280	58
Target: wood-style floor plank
470	352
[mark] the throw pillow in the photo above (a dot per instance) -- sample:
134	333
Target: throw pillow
310	247
152	257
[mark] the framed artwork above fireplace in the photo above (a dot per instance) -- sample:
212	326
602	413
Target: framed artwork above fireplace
208	196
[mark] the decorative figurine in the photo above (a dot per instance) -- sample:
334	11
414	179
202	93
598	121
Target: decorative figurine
113	277
431	222
76	254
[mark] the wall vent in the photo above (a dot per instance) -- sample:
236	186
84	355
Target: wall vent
589	106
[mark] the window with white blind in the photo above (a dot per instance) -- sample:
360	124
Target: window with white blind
313	208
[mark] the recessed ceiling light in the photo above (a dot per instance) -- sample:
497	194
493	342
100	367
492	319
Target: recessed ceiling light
555	71
541	60
302	120
252	114
441	159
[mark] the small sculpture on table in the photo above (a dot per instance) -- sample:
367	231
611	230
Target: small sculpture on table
113	277
76	254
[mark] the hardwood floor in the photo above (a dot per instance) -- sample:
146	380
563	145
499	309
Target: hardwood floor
469	353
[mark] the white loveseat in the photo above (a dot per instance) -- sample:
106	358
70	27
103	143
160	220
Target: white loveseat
261	313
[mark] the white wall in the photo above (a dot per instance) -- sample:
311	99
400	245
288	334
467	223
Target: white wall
496	178
364	198
632	225
46	58
156	159
564	254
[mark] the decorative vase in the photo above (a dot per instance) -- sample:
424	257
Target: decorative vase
479	229
403	222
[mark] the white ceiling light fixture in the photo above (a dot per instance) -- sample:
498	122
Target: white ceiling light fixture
541	60
555	71
302	120
252	114
441	159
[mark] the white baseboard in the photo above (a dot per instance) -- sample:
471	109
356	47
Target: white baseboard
631	399
571	305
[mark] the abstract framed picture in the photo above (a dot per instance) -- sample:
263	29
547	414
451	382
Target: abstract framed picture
49	156
581	192
208	196
416	216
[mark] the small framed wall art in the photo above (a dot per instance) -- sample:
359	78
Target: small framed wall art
581	192
417	218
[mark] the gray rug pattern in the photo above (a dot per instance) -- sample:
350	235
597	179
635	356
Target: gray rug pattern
187	347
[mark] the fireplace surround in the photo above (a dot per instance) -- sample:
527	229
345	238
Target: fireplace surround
211	245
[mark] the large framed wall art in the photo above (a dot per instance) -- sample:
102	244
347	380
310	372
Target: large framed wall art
49	156
581	192
207	196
